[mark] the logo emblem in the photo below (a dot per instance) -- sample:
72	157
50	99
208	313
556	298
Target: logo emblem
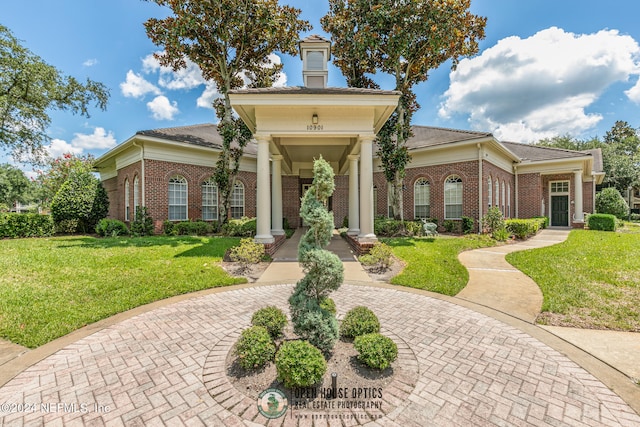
272	403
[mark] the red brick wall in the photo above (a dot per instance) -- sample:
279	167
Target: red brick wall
340	200
530	195
507	207
291	200
111	187
127	173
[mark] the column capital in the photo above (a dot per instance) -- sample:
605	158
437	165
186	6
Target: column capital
366	137
262	137
353	157
277	157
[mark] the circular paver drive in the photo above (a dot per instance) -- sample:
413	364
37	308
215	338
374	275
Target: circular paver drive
148	370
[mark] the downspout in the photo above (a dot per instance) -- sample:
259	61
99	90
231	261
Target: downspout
135	144
480	185
515	171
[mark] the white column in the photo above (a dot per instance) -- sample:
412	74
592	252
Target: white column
578	208
366	189
354	203
276	195
263	205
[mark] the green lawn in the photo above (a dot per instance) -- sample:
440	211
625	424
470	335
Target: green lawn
432	263
591	281
50	287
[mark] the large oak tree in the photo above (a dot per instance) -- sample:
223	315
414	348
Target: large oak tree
227	39
404	39
29	89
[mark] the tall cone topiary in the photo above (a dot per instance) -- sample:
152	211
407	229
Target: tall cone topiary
323	269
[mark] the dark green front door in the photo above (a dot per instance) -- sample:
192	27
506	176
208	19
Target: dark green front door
560	211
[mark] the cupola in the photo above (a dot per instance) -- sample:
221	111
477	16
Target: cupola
315	52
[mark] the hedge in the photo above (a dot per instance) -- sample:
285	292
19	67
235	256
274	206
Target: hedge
523	228
15	225
605	222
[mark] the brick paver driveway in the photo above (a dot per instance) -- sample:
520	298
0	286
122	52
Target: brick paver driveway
152	369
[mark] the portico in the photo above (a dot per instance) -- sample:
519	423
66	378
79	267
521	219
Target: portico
295	125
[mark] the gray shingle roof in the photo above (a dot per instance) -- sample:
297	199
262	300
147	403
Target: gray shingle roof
536	153
204	135
427	136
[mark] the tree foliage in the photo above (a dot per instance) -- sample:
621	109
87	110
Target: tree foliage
227	39
404	39
14	186
29	89
610	201
57	170
81	201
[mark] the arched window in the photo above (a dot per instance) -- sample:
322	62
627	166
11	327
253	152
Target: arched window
497	193
453	197
490	192
127	207
504	204
136	194
509	200
421	199
237	200
177	198
209	200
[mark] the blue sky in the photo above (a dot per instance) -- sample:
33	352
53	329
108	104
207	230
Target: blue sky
545	68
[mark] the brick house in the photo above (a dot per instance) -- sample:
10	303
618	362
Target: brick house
453	173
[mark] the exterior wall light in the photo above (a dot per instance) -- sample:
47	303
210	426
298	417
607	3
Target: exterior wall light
314	119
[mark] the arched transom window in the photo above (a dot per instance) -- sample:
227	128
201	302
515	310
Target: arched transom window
453	197
421	199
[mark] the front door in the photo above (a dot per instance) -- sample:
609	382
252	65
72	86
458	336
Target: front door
560	211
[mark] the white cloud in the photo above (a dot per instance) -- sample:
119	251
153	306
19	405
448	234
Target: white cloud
634	93
208	96
90	62
58	147
136	86
528	89
162	108
99	139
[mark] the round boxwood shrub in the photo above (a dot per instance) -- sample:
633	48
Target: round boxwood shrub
271	318
299	364
610	201
359	321
254	348
376	350
111	228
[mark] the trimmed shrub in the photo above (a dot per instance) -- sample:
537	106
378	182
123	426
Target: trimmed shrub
192	228
271	318
247	253
376	350
255	348
359	321
452	226
544	221
299	364
386	227
522	228
169	228
501	235
379	256
604	222
111	228
492	221
243	227
142	224
328	304
467	225
610	201
81	201
14	225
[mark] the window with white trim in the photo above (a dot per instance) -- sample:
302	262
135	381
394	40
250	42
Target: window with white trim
497	193
453	197
389	201
504	212
127	207
177	198
136	194
561	187
237	200
209	200
509	200
421	199
490	191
